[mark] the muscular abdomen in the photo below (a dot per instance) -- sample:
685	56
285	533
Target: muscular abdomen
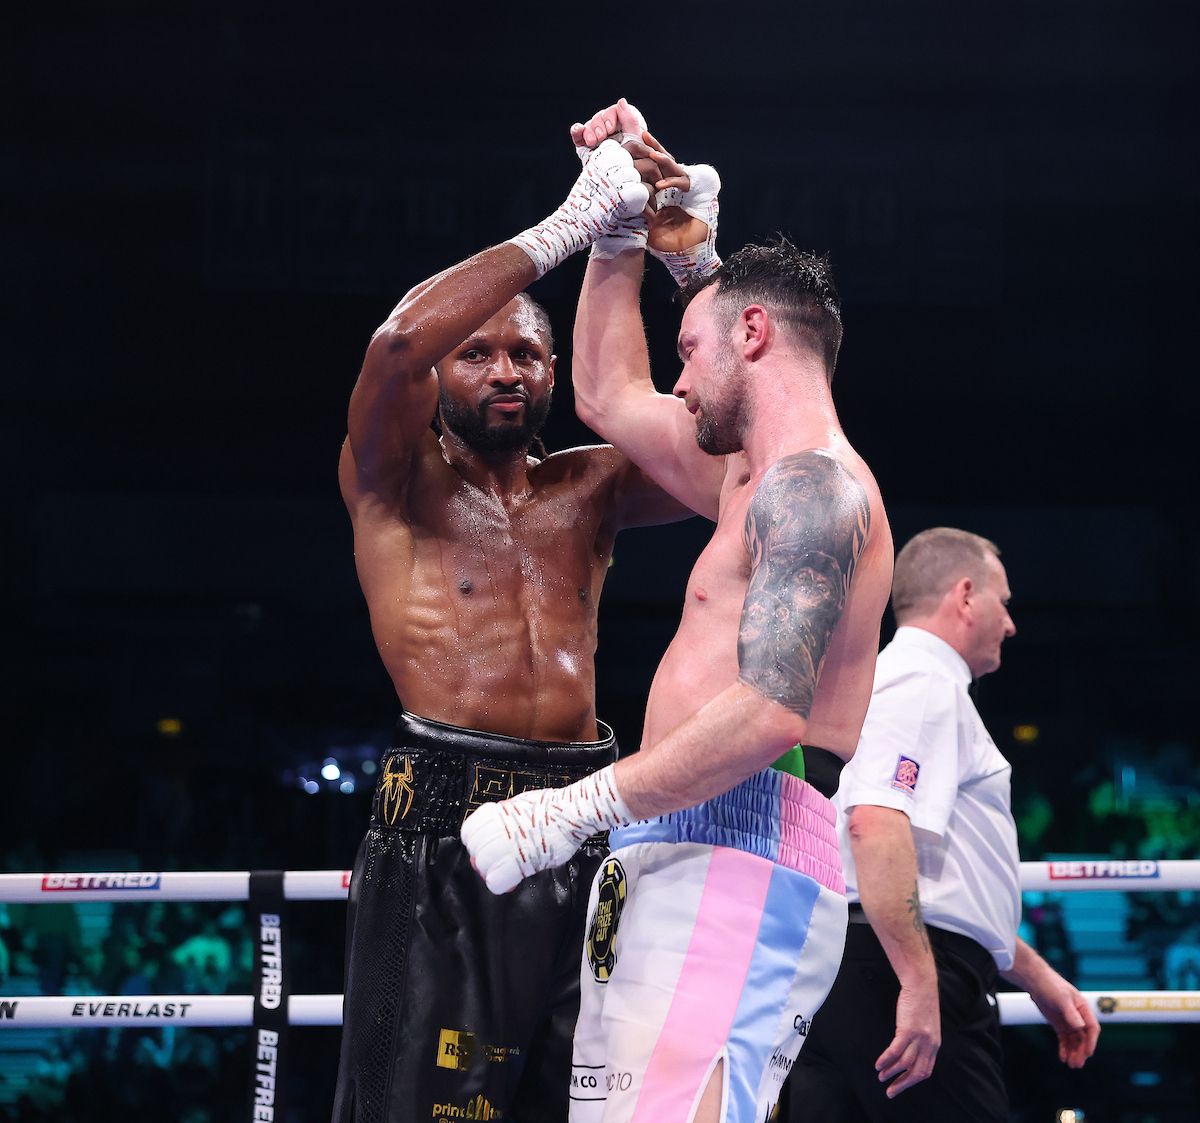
487	639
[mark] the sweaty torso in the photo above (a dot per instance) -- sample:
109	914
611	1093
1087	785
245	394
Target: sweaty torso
483	607
702	659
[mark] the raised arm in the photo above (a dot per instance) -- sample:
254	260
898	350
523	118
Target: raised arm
614	394
396	394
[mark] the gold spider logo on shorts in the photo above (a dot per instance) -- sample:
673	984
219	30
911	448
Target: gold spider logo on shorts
396	790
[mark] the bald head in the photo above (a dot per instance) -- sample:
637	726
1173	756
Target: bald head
541	318
932	563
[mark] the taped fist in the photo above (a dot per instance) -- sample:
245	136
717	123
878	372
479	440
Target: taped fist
510	840
683	233
608	194
624	124
620	122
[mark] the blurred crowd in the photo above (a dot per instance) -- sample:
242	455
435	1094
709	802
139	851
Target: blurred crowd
202	1075
131	949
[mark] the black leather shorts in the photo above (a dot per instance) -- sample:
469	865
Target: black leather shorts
460	1004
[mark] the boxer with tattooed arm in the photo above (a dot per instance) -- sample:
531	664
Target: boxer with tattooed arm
717	923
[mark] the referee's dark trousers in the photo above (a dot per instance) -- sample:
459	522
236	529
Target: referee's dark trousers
834	1079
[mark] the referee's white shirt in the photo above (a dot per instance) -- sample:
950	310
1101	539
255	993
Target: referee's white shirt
924	751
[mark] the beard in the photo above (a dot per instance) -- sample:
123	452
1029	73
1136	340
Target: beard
722	424
470	424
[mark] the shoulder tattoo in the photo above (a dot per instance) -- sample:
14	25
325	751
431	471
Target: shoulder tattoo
805	529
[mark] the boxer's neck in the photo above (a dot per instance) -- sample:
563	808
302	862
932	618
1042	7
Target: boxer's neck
504	474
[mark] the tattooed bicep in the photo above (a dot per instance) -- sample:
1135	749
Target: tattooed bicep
805	529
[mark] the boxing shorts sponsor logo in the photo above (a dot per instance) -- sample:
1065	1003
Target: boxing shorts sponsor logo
459	1048
602	931
455	1049
493	784
802	1025
396	790
478	1108
83	882
780	1063
587	1083
1101	870
904	779
619	1081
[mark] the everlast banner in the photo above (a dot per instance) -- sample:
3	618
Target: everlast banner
271	986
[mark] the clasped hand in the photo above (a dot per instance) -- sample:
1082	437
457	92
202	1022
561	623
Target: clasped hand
671	228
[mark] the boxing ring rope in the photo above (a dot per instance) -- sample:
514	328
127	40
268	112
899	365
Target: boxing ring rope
197	1010
1127	875
63	1011
62	888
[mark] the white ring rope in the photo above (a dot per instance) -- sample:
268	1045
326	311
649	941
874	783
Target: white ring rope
60	888
1133	875
64	1011
160	1010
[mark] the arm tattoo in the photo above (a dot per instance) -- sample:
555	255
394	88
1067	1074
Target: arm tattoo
918	918
805	529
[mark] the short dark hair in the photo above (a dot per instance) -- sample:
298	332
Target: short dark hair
795	285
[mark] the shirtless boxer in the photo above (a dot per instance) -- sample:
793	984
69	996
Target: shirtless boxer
482	568
717	924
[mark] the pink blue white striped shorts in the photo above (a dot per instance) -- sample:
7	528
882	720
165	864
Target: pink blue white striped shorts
714	934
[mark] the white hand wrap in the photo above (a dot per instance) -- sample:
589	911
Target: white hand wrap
668	197
606	196
631	233
698	201
628	236
537	830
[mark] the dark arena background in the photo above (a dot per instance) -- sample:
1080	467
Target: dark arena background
209	208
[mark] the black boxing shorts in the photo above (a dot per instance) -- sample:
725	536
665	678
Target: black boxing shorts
460	1004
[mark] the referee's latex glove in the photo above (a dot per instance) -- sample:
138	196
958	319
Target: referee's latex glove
608	192
537	830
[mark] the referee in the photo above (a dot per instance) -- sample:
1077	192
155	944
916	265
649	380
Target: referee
929	847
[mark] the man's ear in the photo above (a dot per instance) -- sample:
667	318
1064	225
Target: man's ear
550	368
754	332
964	590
